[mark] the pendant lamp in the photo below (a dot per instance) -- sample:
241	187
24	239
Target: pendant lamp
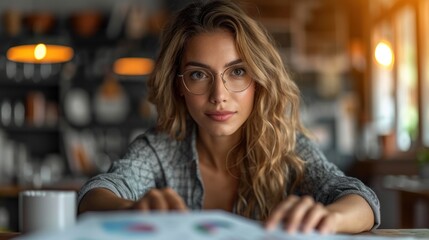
40	53
133	66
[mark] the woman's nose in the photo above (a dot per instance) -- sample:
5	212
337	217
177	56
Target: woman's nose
218	92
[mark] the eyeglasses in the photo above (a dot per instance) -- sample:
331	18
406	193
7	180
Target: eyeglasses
199	81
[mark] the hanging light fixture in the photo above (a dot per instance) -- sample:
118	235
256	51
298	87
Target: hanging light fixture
384	54
41	47
40	53
133	66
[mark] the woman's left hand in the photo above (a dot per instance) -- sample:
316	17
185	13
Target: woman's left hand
305	215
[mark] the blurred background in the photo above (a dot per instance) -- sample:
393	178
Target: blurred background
73	93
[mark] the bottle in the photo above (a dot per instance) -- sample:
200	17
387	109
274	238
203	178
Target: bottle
6	112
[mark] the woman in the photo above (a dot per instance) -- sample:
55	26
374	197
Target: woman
229	136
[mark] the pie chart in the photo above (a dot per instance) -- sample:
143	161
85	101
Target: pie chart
212	226
129	228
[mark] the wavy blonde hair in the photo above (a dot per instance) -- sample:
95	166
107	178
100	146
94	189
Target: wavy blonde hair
269	167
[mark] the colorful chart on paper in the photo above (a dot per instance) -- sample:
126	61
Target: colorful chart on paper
213	225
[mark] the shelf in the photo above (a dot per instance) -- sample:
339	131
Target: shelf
56	123
29	84
29	129
12	191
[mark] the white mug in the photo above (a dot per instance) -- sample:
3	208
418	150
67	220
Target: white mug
41	210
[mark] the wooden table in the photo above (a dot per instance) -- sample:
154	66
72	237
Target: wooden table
8	235
415	233
411	191
408	200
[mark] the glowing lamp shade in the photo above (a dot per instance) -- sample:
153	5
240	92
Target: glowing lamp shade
384	54
133	66
40	53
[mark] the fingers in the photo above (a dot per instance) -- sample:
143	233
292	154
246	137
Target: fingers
313	217
157	201
296	214
174	201
280	212
141	205
302	214
161	200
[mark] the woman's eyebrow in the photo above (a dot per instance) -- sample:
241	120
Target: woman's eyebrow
198	64
233	63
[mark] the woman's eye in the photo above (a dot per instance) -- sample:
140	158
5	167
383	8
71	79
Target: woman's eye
239	72
197	75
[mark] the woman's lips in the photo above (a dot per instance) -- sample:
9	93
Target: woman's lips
220	116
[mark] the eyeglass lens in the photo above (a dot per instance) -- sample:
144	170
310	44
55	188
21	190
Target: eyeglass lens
199	81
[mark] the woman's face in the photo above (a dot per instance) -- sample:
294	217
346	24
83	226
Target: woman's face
218	112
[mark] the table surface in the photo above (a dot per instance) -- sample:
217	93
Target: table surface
410	192
416	233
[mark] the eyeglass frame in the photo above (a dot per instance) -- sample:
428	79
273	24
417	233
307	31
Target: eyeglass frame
213	78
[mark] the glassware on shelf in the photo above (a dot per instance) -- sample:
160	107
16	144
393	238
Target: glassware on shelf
29	71
18	113
4	219
12	22
3	150
22	169
111	102
53	168
77	107
51	117
45	70
6	112
36	107
7	163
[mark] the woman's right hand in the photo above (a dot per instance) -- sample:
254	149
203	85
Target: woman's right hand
165	199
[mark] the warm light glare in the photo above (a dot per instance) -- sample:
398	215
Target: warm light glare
40	53
133	66
384	54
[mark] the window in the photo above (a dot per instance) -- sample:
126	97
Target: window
407	91
383	79
399	75
424	39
